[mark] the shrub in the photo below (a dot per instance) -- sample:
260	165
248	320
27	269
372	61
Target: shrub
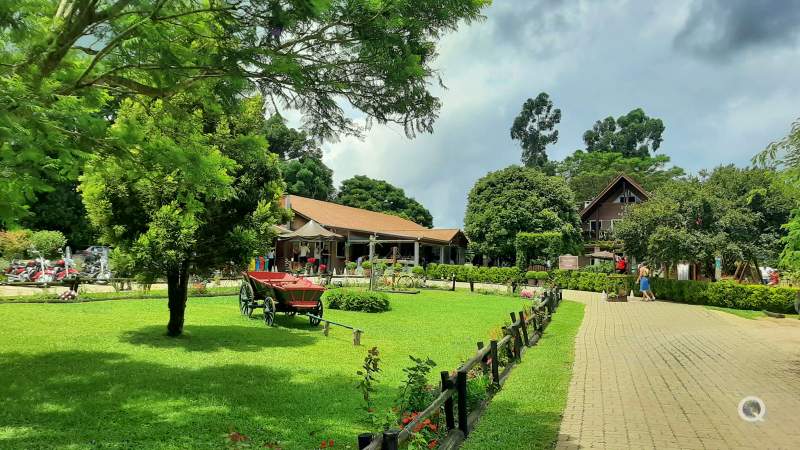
14	244
351	265
48	242
465	273
356	300
418	271
366	265
723	293
536	275
604	267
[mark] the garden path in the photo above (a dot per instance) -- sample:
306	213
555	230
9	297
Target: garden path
666	375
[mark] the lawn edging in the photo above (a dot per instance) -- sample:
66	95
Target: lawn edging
453	388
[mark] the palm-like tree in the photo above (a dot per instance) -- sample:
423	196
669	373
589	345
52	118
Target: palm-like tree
783	154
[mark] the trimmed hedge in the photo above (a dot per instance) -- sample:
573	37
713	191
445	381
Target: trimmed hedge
727	294
536	275
357	300
493	275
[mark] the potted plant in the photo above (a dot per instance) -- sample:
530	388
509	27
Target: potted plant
351	267
536	278
367	266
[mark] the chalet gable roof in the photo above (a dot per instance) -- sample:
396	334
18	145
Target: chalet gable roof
632	184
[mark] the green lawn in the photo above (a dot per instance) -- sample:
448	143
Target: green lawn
526	414
103	375
747	314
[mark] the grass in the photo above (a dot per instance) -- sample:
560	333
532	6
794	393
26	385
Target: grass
103	375
48	296
745	313
527	412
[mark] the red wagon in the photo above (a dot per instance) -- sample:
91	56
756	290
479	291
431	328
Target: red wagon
278	291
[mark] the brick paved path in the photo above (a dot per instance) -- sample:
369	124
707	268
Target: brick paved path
664	375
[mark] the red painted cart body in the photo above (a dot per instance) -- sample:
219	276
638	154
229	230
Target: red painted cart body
280	292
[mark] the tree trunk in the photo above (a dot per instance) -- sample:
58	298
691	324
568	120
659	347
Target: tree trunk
177	287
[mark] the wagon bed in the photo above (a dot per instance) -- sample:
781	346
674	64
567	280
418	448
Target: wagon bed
278	291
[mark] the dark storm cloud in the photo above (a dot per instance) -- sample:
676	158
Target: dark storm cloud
718	29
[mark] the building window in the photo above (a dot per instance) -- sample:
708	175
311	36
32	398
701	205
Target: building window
627	199
594	225
340	249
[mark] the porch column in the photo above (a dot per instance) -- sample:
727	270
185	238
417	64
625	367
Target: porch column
416	253
441	254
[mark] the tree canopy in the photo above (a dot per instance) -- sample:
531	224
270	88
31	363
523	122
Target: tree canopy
289	143
308	176
633	134
67	65
518	199
194	190
534	128
588	173
378	195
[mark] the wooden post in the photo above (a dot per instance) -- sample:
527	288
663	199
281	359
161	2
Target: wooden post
463	414
454	284
326	328
484	366
390	440
364	439
449	417
357	337
471	286
513	318
524	326
495	362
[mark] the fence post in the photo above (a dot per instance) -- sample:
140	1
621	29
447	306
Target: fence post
364	439
461	387
524	326
390	440
495	362
454	283
484	367
471	286
448	404
517	342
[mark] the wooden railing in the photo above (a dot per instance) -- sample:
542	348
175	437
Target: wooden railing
524	332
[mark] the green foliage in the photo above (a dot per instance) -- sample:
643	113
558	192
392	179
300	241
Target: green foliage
418	271
308	177
534	129
634	134
67	65
357	300
790	256
48	242
369	378
536	275
61	209
588	173
121	263
545	246
518	199
723	293
465	273
783	154
416	393
289	143
366	265
14	243
378	195
351	265
603	267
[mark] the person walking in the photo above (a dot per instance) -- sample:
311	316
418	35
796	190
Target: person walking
644	283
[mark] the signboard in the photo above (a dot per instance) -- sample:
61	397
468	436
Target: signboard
718	268
568	262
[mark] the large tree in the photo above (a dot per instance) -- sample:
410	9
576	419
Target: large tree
518	199
589	172
534	128
290	143
308	176
67	64
633	134
192	188
378	195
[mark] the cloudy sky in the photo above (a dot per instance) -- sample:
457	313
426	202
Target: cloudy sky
722	75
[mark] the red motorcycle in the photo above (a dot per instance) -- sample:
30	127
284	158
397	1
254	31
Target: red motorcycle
63	271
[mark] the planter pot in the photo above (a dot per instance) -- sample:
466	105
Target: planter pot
532	282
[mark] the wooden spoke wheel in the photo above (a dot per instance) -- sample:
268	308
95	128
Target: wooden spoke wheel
246	299
317	312
269	312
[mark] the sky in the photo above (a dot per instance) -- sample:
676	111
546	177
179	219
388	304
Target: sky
722	75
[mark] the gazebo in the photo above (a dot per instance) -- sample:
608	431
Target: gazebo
312	232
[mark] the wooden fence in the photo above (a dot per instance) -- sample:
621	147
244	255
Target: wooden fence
524	332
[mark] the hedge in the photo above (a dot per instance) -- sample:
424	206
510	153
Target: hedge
465	273
727	294
357	300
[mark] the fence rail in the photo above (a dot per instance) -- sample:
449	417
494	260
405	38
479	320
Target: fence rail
458	419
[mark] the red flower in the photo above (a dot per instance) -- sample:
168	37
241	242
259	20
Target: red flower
433	443
433	427
323	444
330	442
406	420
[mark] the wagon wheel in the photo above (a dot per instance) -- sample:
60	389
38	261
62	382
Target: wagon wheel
246	299
317	312
269	312
404	282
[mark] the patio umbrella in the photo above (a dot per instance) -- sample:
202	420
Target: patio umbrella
311	231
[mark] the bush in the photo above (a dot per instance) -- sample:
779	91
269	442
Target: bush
727	294
351	265
366	265
466	273
355	300
14	244
418	271
536	275
604	267
48	242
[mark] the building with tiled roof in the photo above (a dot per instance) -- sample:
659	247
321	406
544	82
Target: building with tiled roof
411	243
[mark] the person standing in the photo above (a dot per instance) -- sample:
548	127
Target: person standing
644	283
